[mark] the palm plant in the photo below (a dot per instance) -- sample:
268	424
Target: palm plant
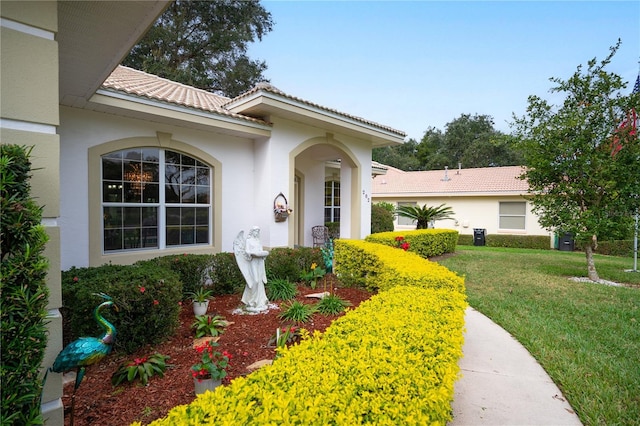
423	215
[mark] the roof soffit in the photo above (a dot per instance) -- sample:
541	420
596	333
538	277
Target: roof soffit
93	38
263	104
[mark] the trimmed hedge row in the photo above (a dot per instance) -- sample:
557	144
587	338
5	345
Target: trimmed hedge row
541	242
380	267
393	360
425	242
616	248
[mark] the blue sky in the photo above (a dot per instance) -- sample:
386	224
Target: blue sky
412	65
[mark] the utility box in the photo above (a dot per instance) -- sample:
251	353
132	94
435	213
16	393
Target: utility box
565	242
479	236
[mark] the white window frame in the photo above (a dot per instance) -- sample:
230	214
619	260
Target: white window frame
333	208
161	206
510	216
405	221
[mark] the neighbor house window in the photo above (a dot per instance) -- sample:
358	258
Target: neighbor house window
405	220
332	201
512	215
153	199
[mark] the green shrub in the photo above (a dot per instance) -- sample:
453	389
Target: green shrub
541	242
334	229
140	369
332	305
289	263
380	267
296	311
218	271
621	248
147	297
465	240
280	289
207	325
424	242
24	295
381	219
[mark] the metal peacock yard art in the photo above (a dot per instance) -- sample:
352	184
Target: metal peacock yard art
86	351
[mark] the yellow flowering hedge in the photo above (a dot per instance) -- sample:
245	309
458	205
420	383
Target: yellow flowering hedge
425	242
391	361
379	267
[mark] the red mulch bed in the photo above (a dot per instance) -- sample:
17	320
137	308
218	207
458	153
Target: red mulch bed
97	402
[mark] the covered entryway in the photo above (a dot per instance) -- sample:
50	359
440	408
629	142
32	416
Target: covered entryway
319	164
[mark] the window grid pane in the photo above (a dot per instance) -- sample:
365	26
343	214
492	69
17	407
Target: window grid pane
131	196
512	215
405	220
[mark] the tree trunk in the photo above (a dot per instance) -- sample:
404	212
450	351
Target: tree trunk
591	266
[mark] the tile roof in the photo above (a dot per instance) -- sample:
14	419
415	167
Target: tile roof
486	180
266	87
139	83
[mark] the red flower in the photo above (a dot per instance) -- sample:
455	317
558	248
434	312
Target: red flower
139	361
142	289
155	302
399	238
75	279
405	246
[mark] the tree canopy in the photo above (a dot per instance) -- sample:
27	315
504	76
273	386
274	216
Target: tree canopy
469	140
582	156
204	44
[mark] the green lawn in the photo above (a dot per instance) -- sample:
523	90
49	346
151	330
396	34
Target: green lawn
586	336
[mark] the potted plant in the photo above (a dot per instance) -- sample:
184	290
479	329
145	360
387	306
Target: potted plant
212	368
200	298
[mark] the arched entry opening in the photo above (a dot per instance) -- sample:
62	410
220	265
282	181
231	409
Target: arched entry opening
327	178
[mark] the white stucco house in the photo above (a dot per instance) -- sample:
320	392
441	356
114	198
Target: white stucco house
491	198
130	166
154	167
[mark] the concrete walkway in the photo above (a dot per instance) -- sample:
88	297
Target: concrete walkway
502	384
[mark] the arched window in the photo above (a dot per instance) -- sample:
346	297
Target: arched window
154	198
332	201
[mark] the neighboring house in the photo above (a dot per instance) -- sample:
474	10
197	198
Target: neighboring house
130	166
490	198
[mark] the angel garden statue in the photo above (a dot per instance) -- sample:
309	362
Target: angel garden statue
250	257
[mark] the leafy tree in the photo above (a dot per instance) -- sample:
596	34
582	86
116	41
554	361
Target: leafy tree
582	159
464	133
401	157
470	140
204	44
425	215
497	150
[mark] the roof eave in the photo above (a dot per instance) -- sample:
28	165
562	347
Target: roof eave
263	103
133	106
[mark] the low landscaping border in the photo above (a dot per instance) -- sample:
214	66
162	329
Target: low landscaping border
424	242
393	360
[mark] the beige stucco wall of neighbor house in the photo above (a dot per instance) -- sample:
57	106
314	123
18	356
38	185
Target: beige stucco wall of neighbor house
29	116
473	212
